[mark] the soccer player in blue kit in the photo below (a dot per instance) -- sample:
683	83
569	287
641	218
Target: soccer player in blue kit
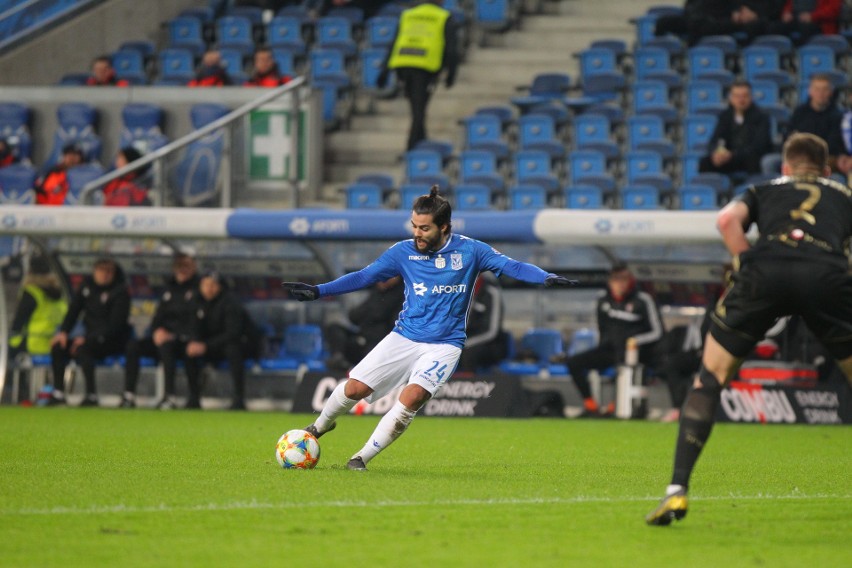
438	269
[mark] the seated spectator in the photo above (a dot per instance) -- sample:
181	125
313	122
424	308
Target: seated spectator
369	322
803	19
103	300
40	310
52	187
741	138
7	156
171	328
265	73
486	343
103	74
821	116
623	312
745	20
223	331
127	191
211	72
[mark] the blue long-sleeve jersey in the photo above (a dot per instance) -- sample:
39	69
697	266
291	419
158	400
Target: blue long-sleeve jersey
438	285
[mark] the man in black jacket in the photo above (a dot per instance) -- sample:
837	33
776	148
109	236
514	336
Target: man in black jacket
223	331
104	301
623	313
741	138
171	329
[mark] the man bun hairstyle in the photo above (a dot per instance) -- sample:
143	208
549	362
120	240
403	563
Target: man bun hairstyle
436	206
803	150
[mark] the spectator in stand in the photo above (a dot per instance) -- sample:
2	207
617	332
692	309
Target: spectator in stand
211	72
103	300
744	20
371	321
7	156
803	19
486	343
224	332
821	116
127	191
741	138
41	309
265	73
103	74
424	46
52	187
171	329
623	312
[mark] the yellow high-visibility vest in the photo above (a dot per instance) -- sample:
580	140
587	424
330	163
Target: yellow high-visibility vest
420	41
44	320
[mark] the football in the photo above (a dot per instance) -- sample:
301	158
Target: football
297	449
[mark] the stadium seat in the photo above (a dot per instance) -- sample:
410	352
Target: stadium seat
472	197
128	63
361	195
527	196
503	112
703	96
655	63
187	32
695	197
195	180
640	197
336	33
176	64
651	96
545	88
409	192
594	132
329	65
494	15
648	132
485	132
543	343
533	167
419	163
371	66
764	62
304	343
235	32
78	177
15	129
142	126
720	183
381	31
233	60
583	197
640	165
76	124
705	59
538	132
697	130
815	59
285	32
286	61
17	184
481	167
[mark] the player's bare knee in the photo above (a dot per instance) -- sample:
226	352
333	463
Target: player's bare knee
413	397
356	390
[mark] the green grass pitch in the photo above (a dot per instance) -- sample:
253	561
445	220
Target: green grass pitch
98	487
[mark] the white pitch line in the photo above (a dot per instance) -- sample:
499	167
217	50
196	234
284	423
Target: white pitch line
256	505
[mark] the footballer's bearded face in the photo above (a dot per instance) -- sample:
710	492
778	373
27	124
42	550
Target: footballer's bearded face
427	235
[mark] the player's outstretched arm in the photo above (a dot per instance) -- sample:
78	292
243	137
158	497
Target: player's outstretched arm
301	291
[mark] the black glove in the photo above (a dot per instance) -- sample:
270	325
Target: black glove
301	291
552	280
382	79
449	82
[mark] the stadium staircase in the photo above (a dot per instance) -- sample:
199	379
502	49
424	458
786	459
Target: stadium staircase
545	42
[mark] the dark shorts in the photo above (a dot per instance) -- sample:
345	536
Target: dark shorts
764	290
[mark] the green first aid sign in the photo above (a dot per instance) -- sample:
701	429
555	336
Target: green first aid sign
271	146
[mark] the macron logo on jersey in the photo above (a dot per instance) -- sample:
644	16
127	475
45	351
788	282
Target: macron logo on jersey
419	289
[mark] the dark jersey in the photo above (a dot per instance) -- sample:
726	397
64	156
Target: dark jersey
801	215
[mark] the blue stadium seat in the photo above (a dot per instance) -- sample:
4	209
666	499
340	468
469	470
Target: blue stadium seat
704	96
695	197
329	65
689	165
195	180
655	63
384	181
203	114
15	128
545	87
286	32
286	61
353	14
585	163
503	112
815	59
146	48
640	196
527	196
77	123
142	126
17	184
648	132
176	64
409	192
720	183
534	167
485	132
78	177
705	59
493	15
303	343
360	195
419	163
651	96
640	165
336	33
235	32
187	32
481	167
782	45
381	31
544	343
594	132
233	61
128	63
764	62
697	130
538	132
443	147
727	43
371	66
583	197
473	197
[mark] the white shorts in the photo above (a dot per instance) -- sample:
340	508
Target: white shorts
396	361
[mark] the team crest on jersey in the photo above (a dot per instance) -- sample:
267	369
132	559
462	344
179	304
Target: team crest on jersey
440	262
456	261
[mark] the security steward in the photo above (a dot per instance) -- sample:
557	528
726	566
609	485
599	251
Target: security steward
424	45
